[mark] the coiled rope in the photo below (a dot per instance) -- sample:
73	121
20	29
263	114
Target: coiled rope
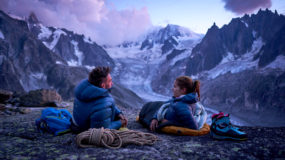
113	139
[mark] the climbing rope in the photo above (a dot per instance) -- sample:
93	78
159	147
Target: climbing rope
113	139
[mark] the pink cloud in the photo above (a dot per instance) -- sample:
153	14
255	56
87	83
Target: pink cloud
90	17
246	6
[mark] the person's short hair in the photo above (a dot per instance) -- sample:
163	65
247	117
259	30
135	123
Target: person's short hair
97	75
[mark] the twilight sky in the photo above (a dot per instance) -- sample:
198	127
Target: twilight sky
114	21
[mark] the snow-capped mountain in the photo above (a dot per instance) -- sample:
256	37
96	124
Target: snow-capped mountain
33	56
75	49
158	41
260	34
24	60
137	64
168	37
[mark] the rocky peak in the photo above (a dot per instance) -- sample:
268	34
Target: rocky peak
173	31
275	12
168	45
32	19
165	34
265	23
168	31
214	26
240	36
212	30
74	48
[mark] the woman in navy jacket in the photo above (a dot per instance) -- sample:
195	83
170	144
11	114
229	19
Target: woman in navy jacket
179	113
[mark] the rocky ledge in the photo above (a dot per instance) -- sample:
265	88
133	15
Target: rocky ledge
19	139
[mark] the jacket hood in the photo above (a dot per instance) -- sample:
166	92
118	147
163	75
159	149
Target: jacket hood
86	91
188	98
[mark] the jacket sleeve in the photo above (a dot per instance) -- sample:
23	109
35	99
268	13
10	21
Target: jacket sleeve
106	124
117	111
115	125
184	116
103	118
155	115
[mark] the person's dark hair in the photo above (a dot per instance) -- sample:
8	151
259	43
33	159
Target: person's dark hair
187	83
97	75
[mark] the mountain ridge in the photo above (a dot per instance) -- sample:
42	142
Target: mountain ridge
27	62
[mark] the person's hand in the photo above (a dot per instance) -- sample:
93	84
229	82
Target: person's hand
164	121
124	123
123	120
153	125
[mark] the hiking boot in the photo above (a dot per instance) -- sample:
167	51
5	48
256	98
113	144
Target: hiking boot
222	129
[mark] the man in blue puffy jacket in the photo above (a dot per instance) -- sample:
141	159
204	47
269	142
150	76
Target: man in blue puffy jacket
94	107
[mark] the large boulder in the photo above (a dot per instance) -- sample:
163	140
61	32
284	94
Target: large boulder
40	98
5	95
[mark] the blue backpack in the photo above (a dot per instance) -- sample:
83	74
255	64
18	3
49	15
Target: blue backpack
54	121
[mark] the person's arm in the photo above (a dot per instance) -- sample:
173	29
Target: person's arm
120	115
184	116
115	124
117	111
102	118
154	122
106	123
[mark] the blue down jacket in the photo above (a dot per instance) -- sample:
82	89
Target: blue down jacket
94	107
179	113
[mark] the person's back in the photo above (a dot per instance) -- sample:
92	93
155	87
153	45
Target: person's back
199	114
94	107
179	112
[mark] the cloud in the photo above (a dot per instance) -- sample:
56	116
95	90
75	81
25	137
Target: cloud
246	6
94	18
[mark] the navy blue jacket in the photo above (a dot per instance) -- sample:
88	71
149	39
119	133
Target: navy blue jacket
179	113
94	107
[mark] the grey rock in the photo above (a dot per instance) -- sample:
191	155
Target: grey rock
125	97
273	48
252	95
65	79
41	97
5	95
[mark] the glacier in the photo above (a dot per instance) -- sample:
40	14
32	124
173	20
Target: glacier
1	35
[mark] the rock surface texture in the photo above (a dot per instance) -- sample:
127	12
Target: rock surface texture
19	139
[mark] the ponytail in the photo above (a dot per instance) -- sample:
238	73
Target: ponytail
197	88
